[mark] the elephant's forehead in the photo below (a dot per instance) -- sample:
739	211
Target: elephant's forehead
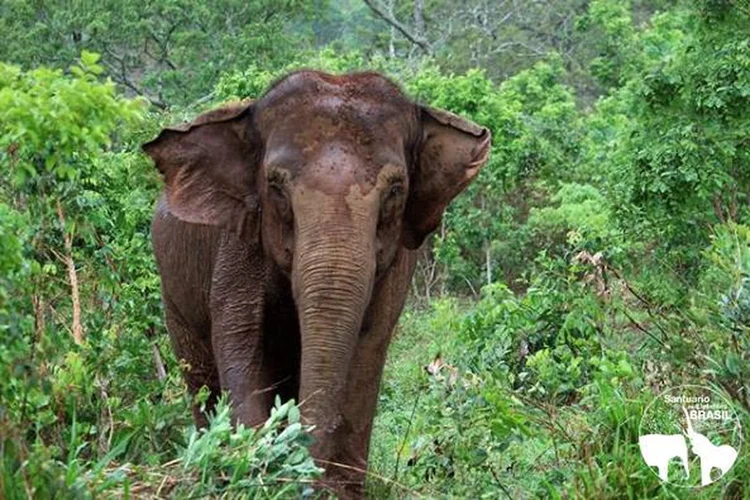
329	117
326	141
358	102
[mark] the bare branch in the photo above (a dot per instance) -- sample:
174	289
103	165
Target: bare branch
123	79
390	19
418	17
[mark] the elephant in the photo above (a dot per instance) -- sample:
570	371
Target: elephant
286	238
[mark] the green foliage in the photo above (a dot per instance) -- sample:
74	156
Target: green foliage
547	340
721	307
677	166
253	81
581	215
171	51
269	462
616	53
53	126
542	393
274	457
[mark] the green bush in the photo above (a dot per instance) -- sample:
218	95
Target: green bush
272	460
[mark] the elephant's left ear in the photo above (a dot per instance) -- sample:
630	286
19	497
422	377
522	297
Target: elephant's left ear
452	152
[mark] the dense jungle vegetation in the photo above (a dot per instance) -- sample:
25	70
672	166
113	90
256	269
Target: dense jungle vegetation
602	255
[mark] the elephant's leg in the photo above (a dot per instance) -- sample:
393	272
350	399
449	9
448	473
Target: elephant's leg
353	439
238	347
237	303
199	370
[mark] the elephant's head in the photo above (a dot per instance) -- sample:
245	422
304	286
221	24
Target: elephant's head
333	175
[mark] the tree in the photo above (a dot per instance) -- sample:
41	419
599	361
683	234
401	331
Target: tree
170	51
679	125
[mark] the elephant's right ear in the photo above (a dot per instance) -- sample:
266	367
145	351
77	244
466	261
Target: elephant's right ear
209	167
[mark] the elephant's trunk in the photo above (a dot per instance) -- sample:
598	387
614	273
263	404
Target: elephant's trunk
333	275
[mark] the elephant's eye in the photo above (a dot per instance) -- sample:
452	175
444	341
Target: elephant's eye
276	181
393	201
278	195
276	189
395	190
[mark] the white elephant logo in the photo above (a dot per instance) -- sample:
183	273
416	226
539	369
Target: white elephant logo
685	410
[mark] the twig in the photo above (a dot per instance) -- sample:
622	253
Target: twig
642	329
37	302
406	436
202	100
471	287
105	440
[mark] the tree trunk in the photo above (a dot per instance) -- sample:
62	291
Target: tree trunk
161	371
72	277
39	323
